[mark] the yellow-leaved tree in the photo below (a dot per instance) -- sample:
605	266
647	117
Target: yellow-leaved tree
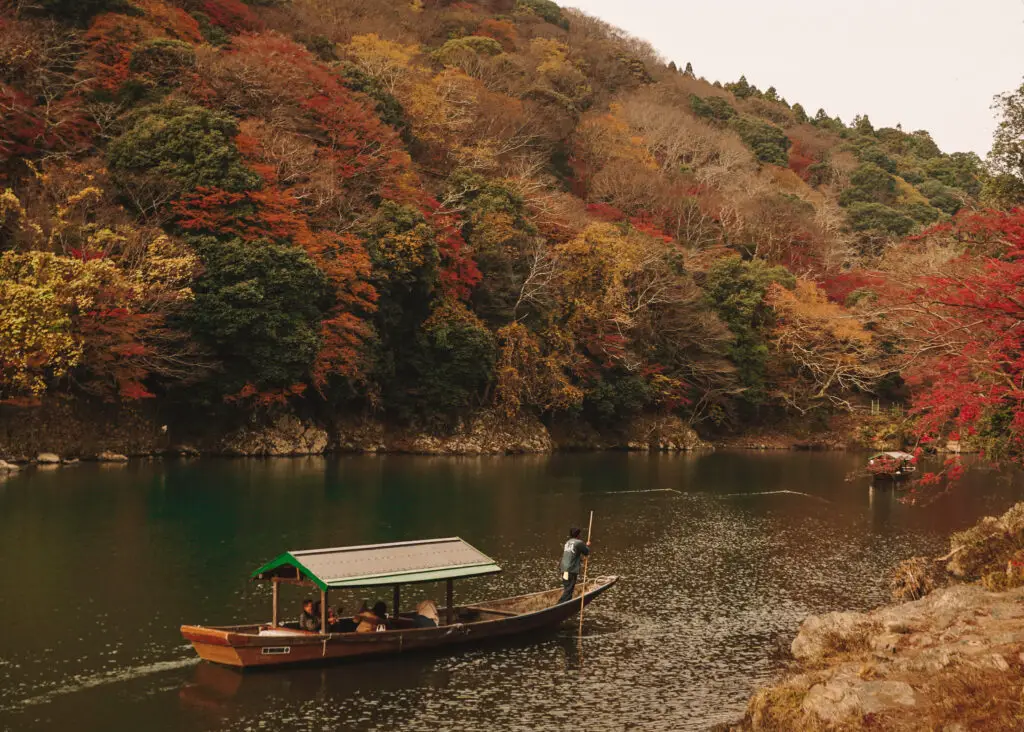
530	375
84	293
827	353
386	62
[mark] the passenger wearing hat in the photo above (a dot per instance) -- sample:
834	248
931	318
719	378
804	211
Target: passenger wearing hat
574	549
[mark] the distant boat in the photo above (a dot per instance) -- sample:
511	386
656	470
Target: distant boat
893	466
282	643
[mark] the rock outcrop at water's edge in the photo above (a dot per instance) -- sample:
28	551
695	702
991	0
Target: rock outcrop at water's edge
60	432
79	429
69	429
643	434
486	433
284	436
952	660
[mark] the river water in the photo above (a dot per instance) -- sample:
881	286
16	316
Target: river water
720	556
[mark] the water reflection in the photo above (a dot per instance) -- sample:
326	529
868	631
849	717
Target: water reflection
720	555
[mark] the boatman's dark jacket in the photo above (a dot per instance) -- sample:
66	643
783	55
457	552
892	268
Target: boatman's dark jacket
573	550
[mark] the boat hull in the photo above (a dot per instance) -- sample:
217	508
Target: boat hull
244	647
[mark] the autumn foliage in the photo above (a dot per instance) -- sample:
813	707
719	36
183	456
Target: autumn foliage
963	324
427	208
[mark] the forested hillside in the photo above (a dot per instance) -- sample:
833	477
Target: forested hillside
422	209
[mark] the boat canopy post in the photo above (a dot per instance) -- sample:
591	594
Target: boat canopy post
276	586
396	599
449	592
323	612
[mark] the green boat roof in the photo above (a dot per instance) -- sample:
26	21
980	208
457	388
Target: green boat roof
404	562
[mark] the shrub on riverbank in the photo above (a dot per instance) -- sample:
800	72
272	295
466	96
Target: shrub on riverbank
914	578
987	546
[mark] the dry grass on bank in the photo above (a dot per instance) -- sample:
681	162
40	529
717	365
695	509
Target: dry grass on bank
988	545
778	709
847	646
974	698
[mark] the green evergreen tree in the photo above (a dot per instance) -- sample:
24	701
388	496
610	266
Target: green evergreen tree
741	89
862	124
258	307
1007	154
735	289
186	145
768	142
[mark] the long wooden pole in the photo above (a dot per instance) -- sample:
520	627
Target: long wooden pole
586	562
276	586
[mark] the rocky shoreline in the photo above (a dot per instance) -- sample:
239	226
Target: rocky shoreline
64	433
950	658
75	429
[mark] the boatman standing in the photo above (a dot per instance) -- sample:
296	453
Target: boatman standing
574	549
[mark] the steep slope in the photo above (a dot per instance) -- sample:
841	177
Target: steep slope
421	209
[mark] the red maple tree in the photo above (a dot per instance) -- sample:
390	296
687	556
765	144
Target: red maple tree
964	329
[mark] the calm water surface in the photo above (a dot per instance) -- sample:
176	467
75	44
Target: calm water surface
719	564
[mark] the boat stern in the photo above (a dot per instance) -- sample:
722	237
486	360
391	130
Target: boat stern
212	644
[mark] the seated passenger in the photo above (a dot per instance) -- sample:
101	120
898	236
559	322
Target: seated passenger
310	618
426	615
338	623
371	621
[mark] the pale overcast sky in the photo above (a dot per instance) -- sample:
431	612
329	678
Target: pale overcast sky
928	64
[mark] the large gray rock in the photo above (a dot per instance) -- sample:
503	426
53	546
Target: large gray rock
287	435
6	467
824	635
895	660
847	697
111	457
48	458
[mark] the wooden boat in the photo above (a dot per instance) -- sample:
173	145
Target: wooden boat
891	466
283	643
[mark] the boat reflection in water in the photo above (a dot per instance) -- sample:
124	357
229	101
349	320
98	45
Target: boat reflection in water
221	690
218	694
